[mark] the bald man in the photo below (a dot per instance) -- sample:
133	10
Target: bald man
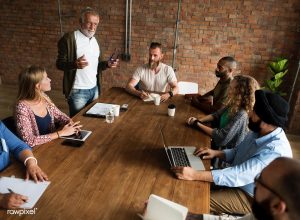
215	99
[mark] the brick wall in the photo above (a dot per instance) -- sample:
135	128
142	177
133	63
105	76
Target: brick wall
252	31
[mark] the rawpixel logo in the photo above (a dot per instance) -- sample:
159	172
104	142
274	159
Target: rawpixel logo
21	211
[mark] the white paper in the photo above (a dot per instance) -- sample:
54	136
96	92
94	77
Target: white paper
27	188
151	97
159	208
101	109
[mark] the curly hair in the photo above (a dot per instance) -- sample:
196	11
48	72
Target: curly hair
242	96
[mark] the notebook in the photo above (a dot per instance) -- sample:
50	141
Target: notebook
100	109
27	188
159	208
182	156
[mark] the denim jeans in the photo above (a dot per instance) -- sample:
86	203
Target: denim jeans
80	98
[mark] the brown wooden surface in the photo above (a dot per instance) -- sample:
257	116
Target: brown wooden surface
119	165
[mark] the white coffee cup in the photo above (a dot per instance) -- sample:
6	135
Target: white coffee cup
157	100
116	110
171	110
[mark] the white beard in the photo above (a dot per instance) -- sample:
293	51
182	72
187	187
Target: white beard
87	33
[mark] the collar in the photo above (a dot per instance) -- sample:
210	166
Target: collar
274	133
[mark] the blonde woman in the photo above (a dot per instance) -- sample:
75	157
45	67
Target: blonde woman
35	114
231	121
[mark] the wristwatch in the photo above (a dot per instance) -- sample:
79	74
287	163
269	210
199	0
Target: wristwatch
171	94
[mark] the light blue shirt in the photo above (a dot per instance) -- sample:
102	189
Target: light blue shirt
9	143
250	157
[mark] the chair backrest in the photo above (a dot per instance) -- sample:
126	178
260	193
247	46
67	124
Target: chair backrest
10	124
187	88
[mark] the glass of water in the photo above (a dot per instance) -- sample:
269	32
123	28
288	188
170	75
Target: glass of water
109	116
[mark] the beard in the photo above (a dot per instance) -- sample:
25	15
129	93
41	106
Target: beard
87	33
153	64
254	126
261	210
220	74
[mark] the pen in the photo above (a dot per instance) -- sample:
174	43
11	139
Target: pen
9	190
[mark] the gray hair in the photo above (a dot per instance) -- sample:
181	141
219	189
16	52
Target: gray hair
87	10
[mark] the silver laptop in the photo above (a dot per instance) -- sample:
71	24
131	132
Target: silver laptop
182	156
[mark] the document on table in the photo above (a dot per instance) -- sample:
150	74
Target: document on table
151	97
100	109
27	188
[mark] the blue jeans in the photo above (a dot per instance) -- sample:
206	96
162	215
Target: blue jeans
80	98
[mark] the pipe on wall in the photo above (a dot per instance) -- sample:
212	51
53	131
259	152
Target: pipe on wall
59	14
176	35
126	56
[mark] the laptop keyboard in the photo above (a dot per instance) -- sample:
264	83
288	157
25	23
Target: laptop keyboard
180	157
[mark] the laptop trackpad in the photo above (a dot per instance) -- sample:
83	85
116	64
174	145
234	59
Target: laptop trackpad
195	161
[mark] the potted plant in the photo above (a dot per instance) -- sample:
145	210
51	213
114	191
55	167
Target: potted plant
278	69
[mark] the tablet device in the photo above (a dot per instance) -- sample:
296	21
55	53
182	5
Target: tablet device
81	136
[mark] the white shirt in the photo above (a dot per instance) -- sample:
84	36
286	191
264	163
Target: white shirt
86	78
155	82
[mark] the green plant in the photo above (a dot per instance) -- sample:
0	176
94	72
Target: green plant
278	69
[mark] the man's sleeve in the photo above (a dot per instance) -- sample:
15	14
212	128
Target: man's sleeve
244	173
171	75
14	144
62	62
137	74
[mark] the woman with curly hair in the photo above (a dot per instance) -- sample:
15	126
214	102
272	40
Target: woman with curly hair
35	114
231	121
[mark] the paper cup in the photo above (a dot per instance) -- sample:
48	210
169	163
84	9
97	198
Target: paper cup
157	100
171	110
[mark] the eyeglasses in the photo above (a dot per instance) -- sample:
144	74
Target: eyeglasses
258	179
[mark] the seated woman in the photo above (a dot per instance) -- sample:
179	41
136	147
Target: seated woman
231	121
35	114
11	144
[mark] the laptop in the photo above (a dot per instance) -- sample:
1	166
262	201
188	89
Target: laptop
182	156
159	208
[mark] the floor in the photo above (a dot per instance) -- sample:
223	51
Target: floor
8	96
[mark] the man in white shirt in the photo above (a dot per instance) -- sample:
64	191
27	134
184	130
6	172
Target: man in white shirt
154	76
79	57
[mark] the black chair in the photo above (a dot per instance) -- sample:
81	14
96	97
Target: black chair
9	122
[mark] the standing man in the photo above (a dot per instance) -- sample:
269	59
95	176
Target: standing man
265	142
215	99
154	76
79	58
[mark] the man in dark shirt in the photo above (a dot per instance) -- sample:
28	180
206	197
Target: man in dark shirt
215	99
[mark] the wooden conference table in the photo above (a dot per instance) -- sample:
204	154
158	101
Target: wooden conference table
119	165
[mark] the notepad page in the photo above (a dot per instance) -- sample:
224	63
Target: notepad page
27	188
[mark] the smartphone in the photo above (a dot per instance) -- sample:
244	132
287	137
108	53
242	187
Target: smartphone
114	56
124	107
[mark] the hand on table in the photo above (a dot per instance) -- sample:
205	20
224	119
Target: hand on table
185	173
70	128
35	172
12	200
205	153
144	95
164	97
